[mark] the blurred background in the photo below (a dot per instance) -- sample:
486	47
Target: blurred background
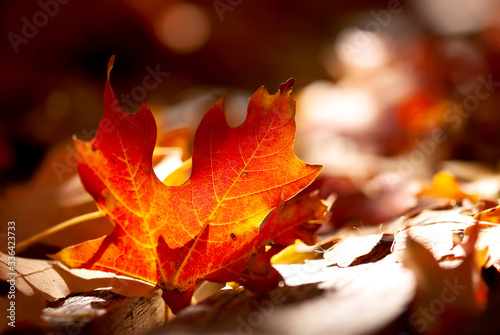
386	90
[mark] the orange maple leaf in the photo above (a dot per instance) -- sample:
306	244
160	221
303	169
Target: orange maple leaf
207	227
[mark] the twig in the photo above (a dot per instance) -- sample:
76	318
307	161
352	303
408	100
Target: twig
63	225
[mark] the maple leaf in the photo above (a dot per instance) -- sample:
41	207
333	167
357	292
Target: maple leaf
206	227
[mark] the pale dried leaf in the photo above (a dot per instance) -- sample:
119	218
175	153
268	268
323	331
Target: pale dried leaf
51	280
352	247
433	229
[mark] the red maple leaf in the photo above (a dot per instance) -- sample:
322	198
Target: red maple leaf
209	226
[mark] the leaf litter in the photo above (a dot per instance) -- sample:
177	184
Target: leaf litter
444	244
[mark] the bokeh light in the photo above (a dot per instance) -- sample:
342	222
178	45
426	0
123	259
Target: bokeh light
184	27
325	105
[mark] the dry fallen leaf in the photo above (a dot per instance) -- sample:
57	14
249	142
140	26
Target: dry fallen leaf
489	239
434	229
350	248
368	200
52	197
51	280
446	298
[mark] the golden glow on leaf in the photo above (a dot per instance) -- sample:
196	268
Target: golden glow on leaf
445	185
208	226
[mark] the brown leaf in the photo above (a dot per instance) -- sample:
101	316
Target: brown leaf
434	229
52	280
55	194
350	248
446	298
489	239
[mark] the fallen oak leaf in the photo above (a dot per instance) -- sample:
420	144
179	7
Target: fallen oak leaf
38	282
51	280
381	250
54	195
371	200
350	248
104	312
434	229
489	240
375	293
178	235
446	298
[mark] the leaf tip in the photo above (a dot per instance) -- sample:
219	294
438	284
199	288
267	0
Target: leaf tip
76	140
287	86
222	100
111	64
58	256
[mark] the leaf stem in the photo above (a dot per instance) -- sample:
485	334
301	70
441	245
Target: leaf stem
54	229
